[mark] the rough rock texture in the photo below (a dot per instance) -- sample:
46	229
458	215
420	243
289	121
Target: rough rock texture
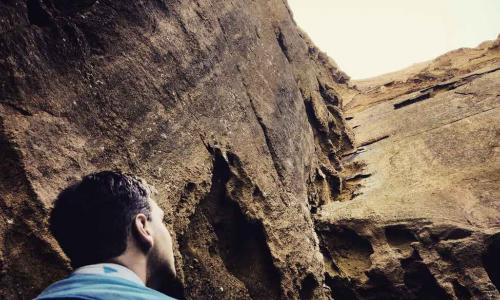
424	221
225	106
236	118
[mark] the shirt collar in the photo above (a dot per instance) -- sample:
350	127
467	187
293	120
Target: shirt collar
110	269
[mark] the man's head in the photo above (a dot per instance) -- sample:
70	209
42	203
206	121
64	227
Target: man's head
107	215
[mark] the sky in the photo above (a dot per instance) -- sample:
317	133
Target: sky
373	37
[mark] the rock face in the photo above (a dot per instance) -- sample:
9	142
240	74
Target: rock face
234	116
424	222
224	106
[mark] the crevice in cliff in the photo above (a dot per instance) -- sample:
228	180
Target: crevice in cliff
340	288
420	282
349	251
355	171
399	236
239	239
350	155
461	292
333	140
223	29
412	100
453	234
491	260
309	284
328	94
280	37
466	94
38	14
326	138
333	182
373	141
432	91
357	177
69	7
339	125
380	286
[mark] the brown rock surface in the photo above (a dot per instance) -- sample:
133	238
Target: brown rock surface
224	106
236	118
424	222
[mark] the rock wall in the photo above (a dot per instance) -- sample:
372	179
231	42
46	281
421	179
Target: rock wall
236	118
424	222
225	106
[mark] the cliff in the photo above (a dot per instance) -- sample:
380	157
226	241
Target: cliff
237	119
225	107
424	223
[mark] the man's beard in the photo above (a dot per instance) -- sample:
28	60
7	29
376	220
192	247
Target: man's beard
160	276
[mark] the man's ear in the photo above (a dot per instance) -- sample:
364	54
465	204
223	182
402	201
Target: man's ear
143	232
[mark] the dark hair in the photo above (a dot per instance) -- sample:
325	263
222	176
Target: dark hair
92	219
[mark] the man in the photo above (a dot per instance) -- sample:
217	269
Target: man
114	235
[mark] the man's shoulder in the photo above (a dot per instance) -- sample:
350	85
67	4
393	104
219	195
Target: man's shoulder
93	286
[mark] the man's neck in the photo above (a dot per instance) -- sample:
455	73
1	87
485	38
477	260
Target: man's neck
110	269
135	262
